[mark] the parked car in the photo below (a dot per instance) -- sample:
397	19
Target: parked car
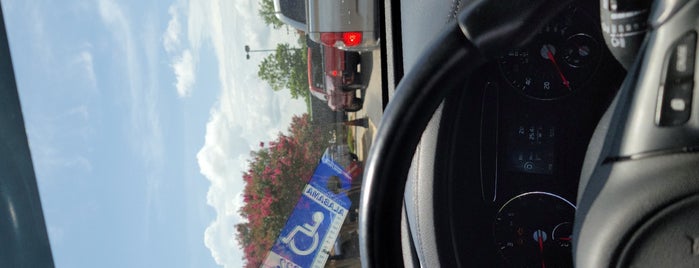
343	66
292	13
347	25
330	80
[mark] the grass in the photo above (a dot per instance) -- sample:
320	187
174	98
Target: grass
350	140
307	98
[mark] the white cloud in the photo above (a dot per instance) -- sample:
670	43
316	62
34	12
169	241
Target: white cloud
146	132
197	22
184	73
85	59
171	38
142	92
247	111
183	59
219	164
152	147
46	146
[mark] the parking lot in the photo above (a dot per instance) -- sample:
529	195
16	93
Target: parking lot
373	108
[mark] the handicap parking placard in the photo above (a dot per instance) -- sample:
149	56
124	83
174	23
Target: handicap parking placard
313	226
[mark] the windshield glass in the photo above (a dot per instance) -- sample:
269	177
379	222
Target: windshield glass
195	133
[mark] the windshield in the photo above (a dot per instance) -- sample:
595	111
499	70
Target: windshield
186	133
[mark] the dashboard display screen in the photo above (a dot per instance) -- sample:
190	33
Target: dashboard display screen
531	148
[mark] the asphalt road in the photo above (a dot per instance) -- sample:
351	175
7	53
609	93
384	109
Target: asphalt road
373	104
373	110
371	69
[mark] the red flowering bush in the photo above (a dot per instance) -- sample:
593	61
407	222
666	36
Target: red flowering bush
274	180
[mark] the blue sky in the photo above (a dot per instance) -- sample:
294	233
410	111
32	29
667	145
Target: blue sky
140	117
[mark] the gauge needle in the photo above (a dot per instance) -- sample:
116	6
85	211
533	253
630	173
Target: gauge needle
555	64
541	246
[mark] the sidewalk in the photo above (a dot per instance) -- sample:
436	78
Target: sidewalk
363	137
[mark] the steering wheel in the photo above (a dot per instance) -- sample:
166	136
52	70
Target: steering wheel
479	35
626	174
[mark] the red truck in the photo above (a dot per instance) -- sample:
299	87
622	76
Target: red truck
334	76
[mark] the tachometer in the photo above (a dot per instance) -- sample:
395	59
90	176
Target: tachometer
558	60
534	230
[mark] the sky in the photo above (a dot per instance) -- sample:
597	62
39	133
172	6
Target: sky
141	116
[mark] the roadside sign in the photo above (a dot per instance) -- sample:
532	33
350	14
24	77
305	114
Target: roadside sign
313	227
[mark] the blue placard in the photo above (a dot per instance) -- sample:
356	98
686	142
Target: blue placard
313	226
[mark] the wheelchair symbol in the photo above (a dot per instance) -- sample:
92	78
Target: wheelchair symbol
308	230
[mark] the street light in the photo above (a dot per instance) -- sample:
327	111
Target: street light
248	50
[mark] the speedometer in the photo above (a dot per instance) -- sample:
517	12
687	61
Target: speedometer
534	230
558	60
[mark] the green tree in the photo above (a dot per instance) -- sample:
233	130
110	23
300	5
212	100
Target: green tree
287	68
273	183
267	13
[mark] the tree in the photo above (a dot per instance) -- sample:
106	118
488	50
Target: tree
286	68
274	180
268	14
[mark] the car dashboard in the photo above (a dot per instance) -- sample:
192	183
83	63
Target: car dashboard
503	193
